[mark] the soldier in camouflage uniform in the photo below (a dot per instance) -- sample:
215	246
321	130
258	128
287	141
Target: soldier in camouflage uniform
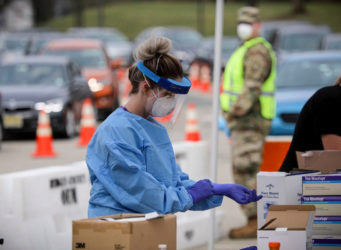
248	106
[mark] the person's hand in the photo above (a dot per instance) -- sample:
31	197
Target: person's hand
236	192
201	190
250	248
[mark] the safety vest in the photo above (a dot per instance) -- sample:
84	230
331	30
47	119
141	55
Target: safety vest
234	80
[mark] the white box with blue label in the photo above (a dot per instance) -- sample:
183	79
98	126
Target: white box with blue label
323	242
278	188
322	185
325	205
327	225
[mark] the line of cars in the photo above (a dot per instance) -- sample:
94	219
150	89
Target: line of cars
97	52
56	72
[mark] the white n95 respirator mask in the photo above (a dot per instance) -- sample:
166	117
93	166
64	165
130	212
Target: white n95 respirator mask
244	31
163	106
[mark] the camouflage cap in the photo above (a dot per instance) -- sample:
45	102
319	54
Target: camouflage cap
248	15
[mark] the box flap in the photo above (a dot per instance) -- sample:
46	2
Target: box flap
326	161
292	217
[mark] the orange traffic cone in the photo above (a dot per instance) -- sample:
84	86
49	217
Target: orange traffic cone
164	119
205	78
194	74
44	138
88	123
192	128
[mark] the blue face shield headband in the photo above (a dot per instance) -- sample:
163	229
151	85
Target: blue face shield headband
166	83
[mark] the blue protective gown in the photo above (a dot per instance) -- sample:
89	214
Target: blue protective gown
133	170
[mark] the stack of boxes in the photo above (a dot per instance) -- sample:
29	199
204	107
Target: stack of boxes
324	192
321	188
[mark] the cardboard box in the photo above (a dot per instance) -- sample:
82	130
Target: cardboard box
124	231
278	188
321	185
325	161
291	225
325	205
327	225
323	242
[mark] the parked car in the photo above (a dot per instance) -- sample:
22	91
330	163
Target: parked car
205	52
299	75
29	84
185	41
1	126
269	27
13	44
39	40
92	57
299	38
332	42
118	46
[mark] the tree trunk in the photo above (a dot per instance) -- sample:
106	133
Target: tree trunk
78	10
298	7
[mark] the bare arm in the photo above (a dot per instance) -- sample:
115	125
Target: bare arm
331	141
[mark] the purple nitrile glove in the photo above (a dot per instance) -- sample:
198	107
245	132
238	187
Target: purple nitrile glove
201	190
236	192
250	248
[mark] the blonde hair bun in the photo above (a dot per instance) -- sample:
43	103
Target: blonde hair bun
154	45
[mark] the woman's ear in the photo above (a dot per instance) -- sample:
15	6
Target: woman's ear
144	86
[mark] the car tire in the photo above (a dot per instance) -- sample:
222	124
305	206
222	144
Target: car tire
70	126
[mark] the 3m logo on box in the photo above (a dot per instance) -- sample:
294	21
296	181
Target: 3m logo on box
80	245
118	247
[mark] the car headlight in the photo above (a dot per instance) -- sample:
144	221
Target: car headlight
55	105
96	85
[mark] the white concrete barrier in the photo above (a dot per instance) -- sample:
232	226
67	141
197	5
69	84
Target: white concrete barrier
193	158
193	229
37	206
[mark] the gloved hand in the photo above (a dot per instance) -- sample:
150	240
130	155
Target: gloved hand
250	248
236	192
201	190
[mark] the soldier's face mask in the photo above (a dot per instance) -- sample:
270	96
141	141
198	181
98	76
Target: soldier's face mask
244	31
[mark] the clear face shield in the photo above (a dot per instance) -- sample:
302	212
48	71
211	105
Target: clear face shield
167	109
174	109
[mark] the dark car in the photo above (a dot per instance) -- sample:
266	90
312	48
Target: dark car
299	75
332	42
205	52
269	27
39	40
32	83
1	127
185	41
299	38
14	44
117	45
91	56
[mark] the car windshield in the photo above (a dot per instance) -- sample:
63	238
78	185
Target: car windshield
85	58
301	42
308	73
227	46
32	74
17	45
106	38
334	45
184	38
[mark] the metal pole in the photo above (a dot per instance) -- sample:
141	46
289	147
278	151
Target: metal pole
219	21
